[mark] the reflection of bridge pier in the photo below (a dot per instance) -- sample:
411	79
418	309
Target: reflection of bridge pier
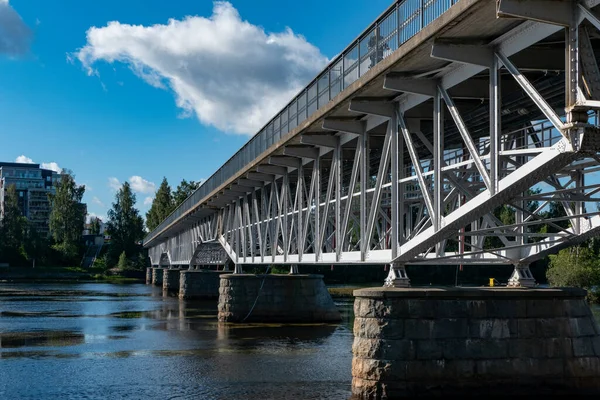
448	148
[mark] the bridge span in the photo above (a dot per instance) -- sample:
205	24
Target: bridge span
405	147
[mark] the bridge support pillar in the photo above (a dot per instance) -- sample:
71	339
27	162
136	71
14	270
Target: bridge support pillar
521	277
397	277
474	341
294	269
171	280
275	298
199	283
238	269
157	276
149	275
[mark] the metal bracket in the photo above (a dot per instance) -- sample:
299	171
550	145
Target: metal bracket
348	126
372	107
521	277
397	277
463	53
426	87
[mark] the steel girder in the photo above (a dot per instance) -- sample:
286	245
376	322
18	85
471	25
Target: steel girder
383	187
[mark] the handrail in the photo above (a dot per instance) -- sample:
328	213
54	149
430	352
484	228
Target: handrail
401	21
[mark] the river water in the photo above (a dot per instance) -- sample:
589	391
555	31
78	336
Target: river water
104	341
90	341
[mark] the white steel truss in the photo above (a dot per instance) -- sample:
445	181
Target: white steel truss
457	182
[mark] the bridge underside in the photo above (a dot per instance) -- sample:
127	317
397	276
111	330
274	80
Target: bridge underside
476	142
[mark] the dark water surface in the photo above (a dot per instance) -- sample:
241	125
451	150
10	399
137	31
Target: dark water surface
91	341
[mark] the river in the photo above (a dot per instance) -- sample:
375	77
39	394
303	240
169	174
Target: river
96	341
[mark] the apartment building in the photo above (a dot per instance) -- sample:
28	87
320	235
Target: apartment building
33	184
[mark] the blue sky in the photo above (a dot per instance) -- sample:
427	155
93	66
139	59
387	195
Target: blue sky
156	88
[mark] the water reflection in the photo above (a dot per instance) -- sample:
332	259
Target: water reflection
131	342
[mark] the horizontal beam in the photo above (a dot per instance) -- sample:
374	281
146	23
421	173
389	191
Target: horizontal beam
301	152
348	126
271	169
546	11
284	161
463	53
426	87
325	140
372	107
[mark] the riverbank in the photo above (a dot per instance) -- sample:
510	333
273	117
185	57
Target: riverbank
66	275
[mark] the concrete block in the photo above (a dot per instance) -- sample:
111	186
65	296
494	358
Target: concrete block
455	349
418	328
450	328
487	348
429	349
544	308
526	328
552	327
489	328
583	367
452	309
500	308
494	369
557	348
582	326
583	347
576	308
378	328
477	308
525	348
402	349
422	308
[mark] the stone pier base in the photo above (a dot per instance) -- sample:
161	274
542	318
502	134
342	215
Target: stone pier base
157	276
148	275
275	298
171	280
199	283
474	341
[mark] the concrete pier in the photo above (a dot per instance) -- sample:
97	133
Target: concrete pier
275	298
157	276
474	341
171	280
199	283
148	275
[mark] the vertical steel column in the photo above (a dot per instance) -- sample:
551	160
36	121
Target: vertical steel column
495	122
364	180
395	224
339	238
438	154
572	72
285	187
274	218
300	207
317	224
580	192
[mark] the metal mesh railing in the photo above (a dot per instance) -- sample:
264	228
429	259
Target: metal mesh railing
401	21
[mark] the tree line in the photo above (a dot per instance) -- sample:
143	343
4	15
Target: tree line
21	244
166	201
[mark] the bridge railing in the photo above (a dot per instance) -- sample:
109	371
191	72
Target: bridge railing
401	21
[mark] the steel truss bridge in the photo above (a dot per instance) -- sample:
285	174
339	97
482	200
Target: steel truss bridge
404	147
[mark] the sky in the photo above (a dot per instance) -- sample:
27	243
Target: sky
139	90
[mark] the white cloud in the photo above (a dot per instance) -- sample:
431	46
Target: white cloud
148	200
91	215
217	67
97	201
114	183
24	160
15	36
51	165
141	185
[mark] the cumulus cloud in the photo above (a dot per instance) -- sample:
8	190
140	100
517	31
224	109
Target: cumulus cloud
148	201
97	201
92	215
229	73
15	36
51	165
26	160
114	183
22	158
141	185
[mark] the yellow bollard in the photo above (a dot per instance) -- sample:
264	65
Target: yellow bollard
491	281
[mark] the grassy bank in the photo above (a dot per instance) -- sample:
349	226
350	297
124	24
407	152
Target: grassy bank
66	274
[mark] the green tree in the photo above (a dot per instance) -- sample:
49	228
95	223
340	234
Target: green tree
35	245
123	264
67	216
125	225
184	190
95	226
576	266
162	206
12	229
